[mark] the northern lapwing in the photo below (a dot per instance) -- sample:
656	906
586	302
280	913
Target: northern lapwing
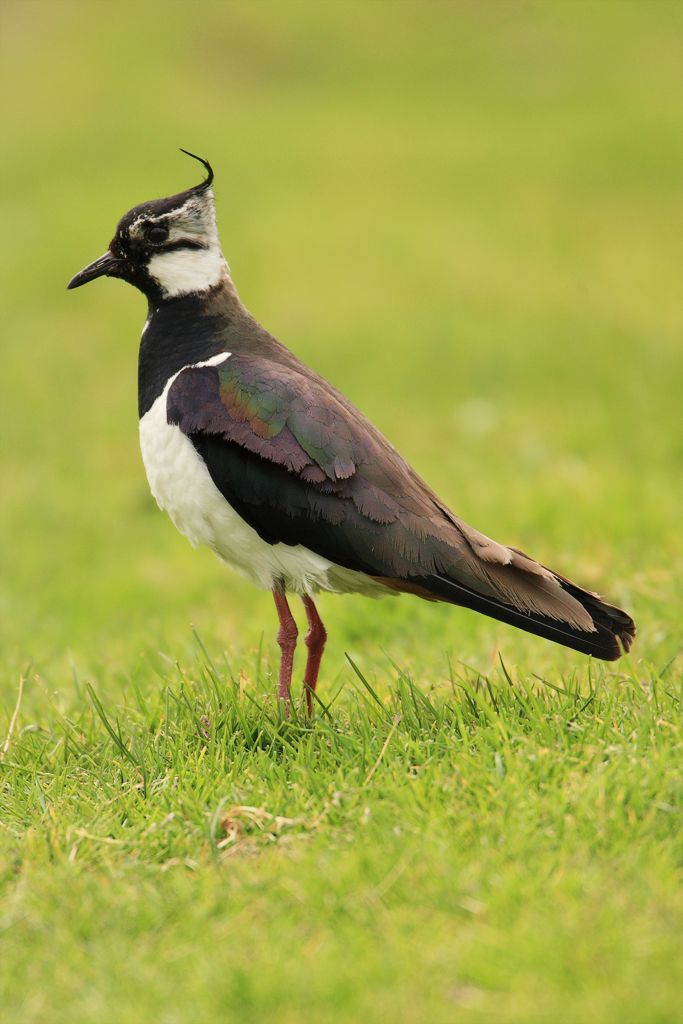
257	456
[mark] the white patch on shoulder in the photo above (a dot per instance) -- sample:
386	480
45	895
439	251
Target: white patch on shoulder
182	486
185	271
211	361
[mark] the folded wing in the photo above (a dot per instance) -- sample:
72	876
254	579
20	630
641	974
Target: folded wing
302	466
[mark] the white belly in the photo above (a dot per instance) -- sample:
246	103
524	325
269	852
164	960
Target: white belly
182	486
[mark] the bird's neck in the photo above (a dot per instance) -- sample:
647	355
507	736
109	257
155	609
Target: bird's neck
184	330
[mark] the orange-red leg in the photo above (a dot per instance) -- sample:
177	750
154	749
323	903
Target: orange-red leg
286	638
315	641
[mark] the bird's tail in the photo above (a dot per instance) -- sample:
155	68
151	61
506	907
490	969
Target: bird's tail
508	585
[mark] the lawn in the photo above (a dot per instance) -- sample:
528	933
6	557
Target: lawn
468	216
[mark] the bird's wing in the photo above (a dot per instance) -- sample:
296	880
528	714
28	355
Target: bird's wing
301	469
301	466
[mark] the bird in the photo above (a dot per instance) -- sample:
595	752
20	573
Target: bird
257	456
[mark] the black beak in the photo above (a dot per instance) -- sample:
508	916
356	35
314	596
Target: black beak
105	266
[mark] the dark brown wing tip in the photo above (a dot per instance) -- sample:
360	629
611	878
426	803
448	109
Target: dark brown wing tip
620	625
627	635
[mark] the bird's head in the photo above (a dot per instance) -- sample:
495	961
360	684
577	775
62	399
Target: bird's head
165	247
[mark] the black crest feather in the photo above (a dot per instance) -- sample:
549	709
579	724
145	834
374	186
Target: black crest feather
202	187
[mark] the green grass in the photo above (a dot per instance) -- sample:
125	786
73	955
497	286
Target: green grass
493	846
468	216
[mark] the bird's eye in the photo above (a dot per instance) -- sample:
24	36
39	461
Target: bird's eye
157	233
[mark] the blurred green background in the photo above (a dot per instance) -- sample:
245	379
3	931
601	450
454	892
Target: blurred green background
468	216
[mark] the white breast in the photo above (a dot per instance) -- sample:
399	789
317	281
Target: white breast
182	486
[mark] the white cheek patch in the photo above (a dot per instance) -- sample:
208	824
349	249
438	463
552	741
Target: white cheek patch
184	271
